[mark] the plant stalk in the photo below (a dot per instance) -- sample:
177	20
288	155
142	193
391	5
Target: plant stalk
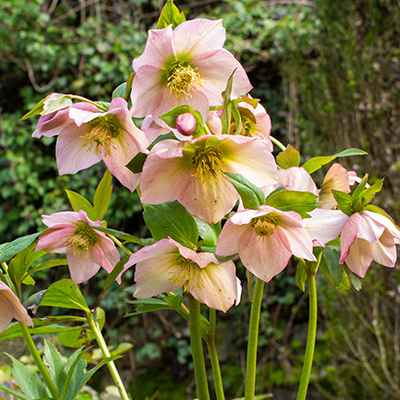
39	363
251	365
197	350
312	332
94	326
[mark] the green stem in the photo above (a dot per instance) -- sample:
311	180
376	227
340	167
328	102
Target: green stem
212	350
106	353
278	143
251	366
39	363
197	350
119	244
312	331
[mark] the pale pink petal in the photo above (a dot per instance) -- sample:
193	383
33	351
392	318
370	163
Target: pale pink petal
153	130
158	49
218	287
300	243
369	229
230	238
357	258
53	240
349	234
201	259
325	225
198	37
382	220
169	148
105	253
265	257
123	174
62	218
297	178
51	124
384	251
214	122
82	266
71	155
210	202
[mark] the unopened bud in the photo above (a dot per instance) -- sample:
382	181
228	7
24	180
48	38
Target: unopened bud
186	124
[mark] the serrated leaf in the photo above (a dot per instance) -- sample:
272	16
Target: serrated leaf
78	202
292	200
54	364
317	162
288	158
9	250
344	201
119	91
136	164
102	196
170	14
171	220
27	380
251	195
65	294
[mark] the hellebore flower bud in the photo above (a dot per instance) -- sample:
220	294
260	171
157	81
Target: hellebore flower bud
186	124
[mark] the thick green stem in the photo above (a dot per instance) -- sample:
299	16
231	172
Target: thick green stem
38	361
197	350
312	331
106	353
212	350
251	366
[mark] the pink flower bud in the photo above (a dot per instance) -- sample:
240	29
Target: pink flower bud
186	124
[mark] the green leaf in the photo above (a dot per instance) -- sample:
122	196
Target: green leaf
344	284
301	275
136	164
344	201
49	264
355	280
362	197
27	380
78	203
170	14
317	162
124	236
288	158
171	219
251	195
13	392
102	196
292	200
65	294
227	111
9	250
32	302
209	233
237	118
75	338
119	91
55	365
332	261
35	110
129	85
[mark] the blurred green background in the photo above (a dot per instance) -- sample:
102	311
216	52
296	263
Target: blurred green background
327	72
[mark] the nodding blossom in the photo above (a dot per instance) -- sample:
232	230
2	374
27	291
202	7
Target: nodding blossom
185	65
167	266
265	239
87	249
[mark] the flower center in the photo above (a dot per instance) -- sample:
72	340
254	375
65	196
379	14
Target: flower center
180	77
188	276
103	131
208	164
82	240
265	226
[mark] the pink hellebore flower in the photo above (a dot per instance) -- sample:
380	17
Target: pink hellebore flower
192	172
185	65
51	124
265	240
368	236
11	308
186	124
337	178
87	249
167	265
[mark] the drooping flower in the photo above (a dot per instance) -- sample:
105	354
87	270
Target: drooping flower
265	239
51	124
167	265
337	178
87	249
11	308
368	236
192	172
185	65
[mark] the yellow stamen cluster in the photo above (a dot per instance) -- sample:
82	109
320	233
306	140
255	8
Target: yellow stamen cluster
265	226
188	276
208	164
82	240
180	78
103	131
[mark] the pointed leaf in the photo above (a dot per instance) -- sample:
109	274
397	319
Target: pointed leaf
317	162
54	364
119	91
173	220
65	294
13	392
209	233
344	201
288	158
227	111
78	203
301	276
124	236
332	261
102	196
9	250
170	14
